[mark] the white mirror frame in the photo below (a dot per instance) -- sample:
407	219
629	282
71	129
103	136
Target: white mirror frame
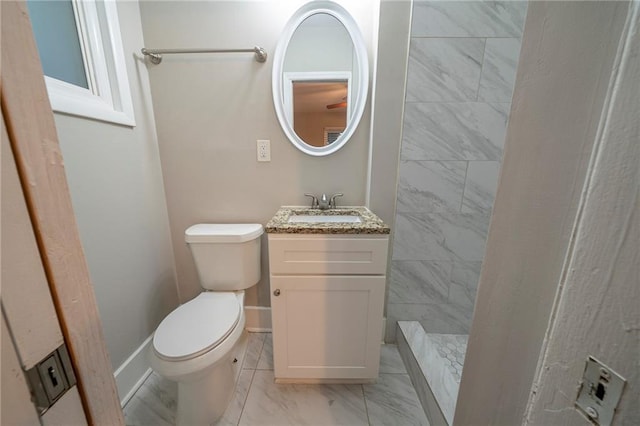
359	97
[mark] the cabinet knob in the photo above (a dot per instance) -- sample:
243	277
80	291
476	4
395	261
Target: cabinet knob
276	292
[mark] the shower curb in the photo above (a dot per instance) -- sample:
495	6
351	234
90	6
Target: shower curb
411	341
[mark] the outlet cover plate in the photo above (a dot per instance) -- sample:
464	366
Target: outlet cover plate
264	150
600	392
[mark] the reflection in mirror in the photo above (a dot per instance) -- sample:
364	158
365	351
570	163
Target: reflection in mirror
319	110
317	70
317	81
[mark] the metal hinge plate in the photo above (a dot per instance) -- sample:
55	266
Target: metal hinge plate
51	378
600	392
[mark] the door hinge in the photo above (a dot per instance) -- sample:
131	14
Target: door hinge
51	378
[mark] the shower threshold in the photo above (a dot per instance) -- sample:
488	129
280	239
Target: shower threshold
434	362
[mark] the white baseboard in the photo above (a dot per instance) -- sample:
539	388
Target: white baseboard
133	372
258	318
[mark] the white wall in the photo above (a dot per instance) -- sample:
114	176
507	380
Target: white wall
565	64
388	109
596	309
118	197
210	110
391	71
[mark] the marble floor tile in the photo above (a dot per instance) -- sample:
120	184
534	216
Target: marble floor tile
451	347
430	186
392	400
258	400
441	357
269	403
454	131
431	364
254	349
390	360
419	281
233	412
154	403
468	18
444	69
499	69
266	357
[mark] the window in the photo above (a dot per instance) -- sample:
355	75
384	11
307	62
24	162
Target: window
331	134
82	58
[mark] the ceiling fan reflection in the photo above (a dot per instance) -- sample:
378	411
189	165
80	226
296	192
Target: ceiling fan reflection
342	104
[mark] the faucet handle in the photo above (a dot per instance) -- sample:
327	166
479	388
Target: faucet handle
314	200
332	202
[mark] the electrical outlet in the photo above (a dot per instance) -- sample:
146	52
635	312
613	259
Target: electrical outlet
264	150
600	392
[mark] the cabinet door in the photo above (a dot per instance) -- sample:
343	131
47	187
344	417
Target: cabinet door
327	327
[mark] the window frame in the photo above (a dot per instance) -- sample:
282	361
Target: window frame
329	130
109	96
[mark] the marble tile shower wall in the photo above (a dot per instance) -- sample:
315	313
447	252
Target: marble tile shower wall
462	64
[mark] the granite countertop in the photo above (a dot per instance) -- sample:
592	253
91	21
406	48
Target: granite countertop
371	224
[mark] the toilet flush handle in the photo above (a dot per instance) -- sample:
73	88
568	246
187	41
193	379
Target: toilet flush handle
276	292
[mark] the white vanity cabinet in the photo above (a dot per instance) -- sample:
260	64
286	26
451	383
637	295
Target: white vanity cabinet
327	298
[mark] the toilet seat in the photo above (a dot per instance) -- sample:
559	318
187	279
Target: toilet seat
197	326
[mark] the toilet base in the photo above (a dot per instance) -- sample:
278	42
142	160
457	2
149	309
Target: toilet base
204	400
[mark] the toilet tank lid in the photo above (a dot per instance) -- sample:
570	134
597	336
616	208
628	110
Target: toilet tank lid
222	232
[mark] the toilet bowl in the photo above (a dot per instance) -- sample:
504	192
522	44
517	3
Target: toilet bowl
205	365
201	344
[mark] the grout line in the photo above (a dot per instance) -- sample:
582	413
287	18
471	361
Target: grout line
258	356
262	353
253	375
244	403
366	407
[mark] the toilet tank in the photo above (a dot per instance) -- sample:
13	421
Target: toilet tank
227	256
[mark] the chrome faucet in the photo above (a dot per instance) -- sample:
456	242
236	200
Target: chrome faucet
314	201
332	201
324	202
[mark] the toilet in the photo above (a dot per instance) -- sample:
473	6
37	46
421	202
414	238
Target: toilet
201	344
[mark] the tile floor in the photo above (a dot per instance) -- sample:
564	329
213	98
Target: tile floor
259	401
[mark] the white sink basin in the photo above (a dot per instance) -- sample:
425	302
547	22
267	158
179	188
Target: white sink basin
320	218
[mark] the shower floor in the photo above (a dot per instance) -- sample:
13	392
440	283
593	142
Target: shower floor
435	364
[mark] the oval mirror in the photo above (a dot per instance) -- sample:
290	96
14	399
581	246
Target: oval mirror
320	78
